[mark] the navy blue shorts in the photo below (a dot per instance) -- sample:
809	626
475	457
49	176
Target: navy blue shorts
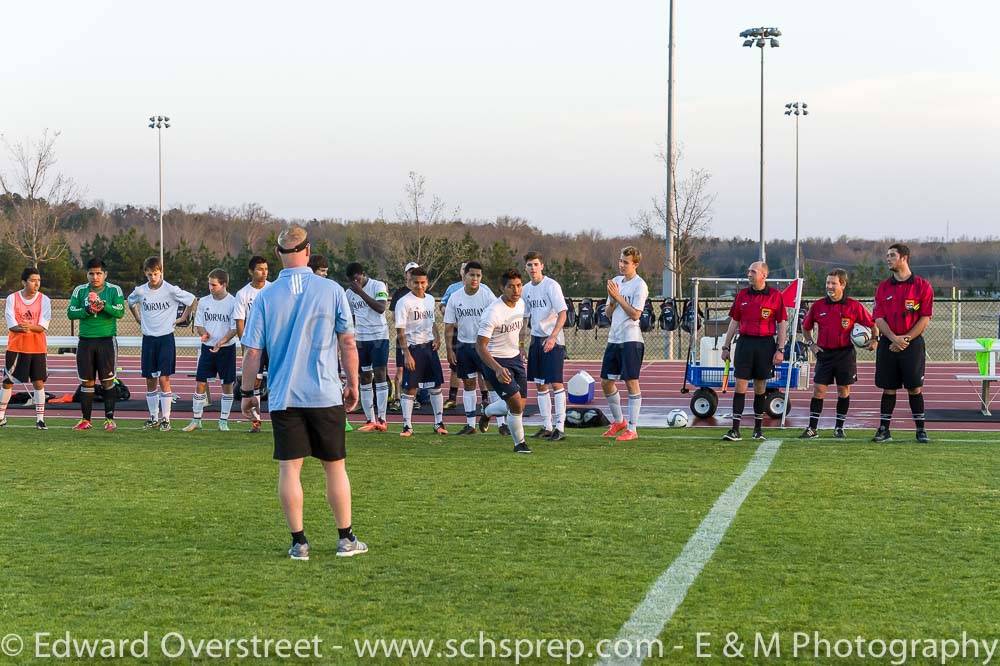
399	357
518	378
468	360
373	354
545	367
622	360
221	364
428	373
159	355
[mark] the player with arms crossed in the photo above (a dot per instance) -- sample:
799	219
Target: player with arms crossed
97	305
154	306
257	269
904	304
368	299
214	324
836	359
546	308
498	346
417	336
461	320
623	356
28	313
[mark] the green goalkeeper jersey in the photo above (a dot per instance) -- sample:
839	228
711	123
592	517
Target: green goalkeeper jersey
103	324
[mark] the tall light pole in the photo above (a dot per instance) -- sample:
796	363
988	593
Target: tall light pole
797	109
160	123
761	37
669	276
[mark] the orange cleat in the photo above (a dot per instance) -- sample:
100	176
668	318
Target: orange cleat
407	431
381	426
615	429
83	424
627	436
440	429
369	426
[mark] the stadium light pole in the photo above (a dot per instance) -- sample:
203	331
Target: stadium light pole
160	123
669	276
761	37
797	109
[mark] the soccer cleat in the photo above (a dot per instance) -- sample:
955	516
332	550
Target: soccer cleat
3	422
484	421
542	434
38	424
449	404
223	425
838	433
165	426
882	435
194	425
503	430
616	429
83	424
467	430
394	406
440	429
627	436
110	425
733	435
556	436
758	435
922	437
255	426
381	426
407	431
348	548
369	426
521	448
151	423
809	433
299	551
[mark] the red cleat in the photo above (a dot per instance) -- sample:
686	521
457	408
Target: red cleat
615	429
627	436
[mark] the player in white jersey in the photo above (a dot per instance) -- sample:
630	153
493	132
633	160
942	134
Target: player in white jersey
498	346
627	296
257	269
461	324
155	307
546	307
369	299
417	336
214	322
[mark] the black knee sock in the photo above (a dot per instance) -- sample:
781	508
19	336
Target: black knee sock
86	402
815	409
299	537
917	407
110	394
739	401
759	405
452	393
843	404
345	533
485	396
888	404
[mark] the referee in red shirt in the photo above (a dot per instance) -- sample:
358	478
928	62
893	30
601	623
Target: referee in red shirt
903	309
836	360
756	313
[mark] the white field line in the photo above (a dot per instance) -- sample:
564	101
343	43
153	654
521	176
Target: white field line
669	590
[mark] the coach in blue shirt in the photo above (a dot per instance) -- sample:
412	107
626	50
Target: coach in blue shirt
302	320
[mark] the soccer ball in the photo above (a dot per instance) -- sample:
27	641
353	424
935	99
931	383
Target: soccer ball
677	418
861	336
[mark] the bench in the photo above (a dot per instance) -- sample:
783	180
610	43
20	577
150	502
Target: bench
985	381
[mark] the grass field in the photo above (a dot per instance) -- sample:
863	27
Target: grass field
110	536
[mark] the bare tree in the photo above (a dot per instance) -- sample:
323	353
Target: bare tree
38	197
427	239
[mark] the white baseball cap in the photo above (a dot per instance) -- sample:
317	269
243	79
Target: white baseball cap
410	265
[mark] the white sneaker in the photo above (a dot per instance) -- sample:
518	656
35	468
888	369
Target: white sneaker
224	425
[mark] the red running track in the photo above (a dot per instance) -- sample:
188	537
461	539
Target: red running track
661	382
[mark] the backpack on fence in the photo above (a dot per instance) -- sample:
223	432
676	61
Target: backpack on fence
603	321
647	319
668	315
687	319
570	314
585	318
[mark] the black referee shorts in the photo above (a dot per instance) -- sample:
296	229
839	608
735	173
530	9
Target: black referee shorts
96	359
903	369
755	357
840	365
300	432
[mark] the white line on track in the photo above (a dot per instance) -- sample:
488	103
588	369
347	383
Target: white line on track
669	590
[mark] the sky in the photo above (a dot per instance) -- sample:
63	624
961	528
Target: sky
553	111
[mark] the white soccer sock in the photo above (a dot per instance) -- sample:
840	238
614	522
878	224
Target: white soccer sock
437	405
382	398
502	418
516	423
39	404
227	405
166	402
367	400
406	404
634	404
559	398
545	409
615	403
4	400
496	408
198	404
152	403
469	401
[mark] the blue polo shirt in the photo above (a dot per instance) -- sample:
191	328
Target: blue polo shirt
297	320
452	288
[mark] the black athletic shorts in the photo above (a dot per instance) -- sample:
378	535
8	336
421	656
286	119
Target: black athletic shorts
300	432
755	357
518	378
22	367
840	365
427	373
904	369
96	359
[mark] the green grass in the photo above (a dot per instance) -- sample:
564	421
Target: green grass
113	535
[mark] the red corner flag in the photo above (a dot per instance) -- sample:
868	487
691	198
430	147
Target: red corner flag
789	293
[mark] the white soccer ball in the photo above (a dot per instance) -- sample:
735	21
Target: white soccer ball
861	336
678	418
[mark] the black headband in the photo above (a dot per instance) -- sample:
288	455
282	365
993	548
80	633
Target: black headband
298	248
